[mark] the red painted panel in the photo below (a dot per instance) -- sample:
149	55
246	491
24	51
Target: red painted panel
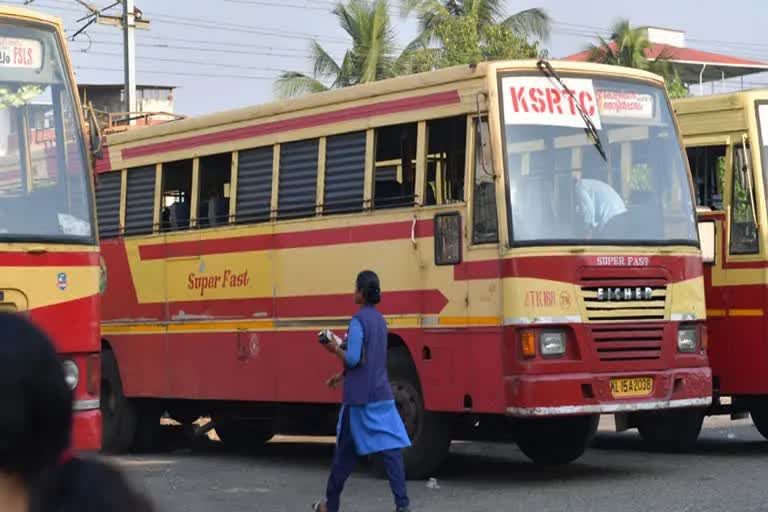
73	325
49	259
143	363
103	164
299	239
299	123
565	268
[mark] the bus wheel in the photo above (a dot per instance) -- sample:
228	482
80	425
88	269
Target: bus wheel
556	441
759	413
118	414
242	434
675	430
430	432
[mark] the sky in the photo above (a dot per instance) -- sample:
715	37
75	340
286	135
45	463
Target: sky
224	54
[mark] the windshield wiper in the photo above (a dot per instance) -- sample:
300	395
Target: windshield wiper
591	129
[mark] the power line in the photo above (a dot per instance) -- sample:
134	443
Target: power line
180	73
183	61
194	48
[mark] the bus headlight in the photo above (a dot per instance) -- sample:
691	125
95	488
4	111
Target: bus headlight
71	374
552	343
687	339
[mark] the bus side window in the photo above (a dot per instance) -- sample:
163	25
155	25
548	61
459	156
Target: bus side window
140	200
344	173
254	185
176	196
213	204
297	185
108	203
744	238
708	170
485	228
446	149
394	181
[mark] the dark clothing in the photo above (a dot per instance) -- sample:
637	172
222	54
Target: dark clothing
344	460
368	382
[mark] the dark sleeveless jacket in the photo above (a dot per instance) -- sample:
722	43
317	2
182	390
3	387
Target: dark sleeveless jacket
368	382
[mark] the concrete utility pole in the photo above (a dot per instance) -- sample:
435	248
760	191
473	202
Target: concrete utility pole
129	54
130	20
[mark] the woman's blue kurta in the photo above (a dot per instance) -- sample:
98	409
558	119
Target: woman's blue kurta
375	426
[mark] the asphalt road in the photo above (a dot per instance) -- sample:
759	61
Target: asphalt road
727	471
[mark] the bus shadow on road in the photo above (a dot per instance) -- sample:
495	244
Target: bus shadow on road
713	443
510	466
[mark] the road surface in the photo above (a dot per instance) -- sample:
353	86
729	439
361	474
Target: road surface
727	471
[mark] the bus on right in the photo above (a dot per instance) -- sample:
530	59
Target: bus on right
726	140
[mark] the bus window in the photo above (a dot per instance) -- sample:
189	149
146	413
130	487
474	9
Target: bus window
708	170
484	217
344	173
254	184
108	204
213	203
743	229
140	200
395	167
446	149
297	192
177	195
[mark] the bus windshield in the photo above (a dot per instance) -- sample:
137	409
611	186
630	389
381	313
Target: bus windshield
562	189
44	183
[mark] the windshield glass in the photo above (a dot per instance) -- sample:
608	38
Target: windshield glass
44	185
562	190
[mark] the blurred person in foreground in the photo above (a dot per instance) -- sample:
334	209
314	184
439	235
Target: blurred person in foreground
38	472
368	422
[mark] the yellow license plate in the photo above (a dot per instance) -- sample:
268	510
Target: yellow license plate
629	387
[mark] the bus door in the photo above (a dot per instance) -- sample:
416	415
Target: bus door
444	299
726	197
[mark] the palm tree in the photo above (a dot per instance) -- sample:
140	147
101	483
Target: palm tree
629	47
524	24
372	56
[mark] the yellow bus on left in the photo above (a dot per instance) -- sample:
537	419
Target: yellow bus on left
49	254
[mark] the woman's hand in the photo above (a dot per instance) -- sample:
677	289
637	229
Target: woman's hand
334	381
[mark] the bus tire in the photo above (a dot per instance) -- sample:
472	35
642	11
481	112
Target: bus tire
239	434
119	418
430	432
759	412
671	431
556	441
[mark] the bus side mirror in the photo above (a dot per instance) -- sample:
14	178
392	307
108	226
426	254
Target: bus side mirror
95	134
707	239
448	239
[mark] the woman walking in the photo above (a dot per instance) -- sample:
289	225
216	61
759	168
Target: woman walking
368	422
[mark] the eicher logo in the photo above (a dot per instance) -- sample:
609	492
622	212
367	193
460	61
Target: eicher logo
541	101
619	294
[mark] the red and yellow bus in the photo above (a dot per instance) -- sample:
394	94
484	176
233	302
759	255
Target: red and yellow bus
725	138
49	253
520	304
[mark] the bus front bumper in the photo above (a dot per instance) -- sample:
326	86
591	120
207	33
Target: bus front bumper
574	394
86	430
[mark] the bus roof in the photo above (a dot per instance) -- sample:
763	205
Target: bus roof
8	11
371	90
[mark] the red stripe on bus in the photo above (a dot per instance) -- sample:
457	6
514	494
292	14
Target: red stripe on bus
103	164
48	259
566	268
72	325
299	123
308	238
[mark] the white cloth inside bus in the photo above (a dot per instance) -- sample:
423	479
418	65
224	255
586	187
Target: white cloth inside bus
598	203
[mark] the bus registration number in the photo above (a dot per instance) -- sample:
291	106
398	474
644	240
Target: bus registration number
636	386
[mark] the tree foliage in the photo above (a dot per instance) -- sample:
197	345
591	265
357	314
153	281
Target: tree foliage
372	56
